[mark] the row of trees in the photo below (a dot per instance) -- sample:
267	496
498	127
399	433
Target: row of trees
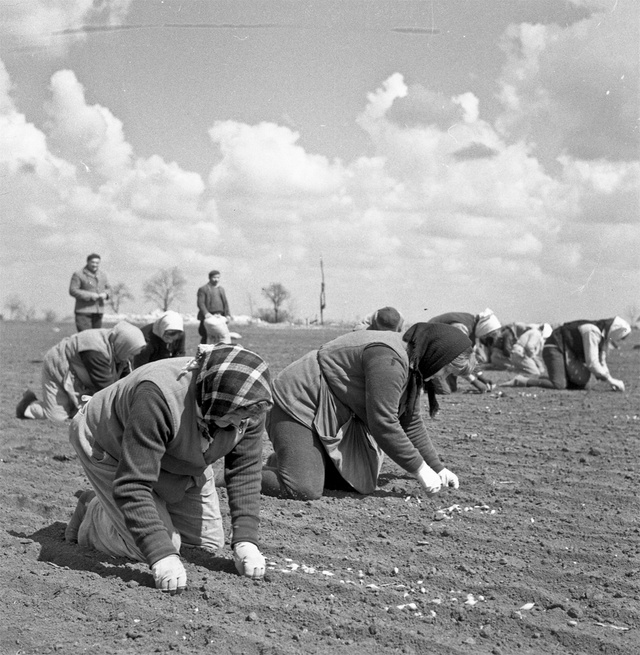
162	290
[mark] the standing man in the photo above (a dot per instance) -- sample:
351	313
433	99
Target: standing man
90	288
212	301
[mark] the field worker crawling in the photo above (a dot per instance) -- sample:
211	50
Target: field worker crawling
479	328
339	409
164	337
574	352
385	318
78	367
147	444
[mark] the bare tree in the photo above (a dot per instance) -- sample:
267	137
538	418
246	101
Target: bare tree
50	316
118	294
15	306
165	287
277	294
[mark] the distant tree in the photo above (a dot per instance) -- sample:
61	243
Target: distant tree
50	316
277	294
15	306
30	314
118	294
165	287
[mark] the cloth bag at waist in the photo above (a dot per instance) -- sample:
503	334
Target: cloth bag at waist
347	441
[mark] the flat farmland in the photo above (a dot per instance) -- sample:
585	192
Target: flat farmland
537	552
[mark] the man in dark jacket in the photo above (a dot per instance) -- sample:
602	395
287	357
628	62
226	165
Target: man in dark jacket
212	300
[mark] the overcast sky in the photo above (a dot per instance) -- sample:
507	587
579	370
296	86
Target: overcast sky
444	155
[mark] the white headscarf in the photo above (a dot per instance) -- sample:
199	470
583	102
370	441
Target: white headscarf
170	320
217	330
487	322
619	329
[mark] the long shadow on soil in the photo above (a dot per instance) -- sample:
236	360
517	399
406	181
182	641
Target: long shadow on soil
59	553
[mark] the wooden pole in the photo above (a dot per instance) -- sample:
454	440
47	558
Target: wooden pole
323	303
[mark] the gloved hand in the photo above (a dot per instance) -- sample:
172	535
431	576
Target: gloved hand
249	560
169	574
428	479
449	479
486	381
616	385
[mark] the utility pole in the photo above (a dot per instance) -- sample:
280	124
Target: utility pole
323	303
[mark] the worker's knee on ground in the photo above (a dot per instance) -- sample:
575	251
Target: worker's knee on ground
302	490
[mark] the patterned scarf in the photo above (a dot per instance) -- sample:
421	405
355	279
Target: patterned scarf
229	378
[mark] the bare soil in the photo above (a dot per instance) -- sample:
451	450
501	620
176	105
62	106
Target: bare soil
537	552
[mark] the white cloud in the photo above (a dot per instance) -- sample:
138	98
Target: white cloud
449	210
265	159
574	89
88	135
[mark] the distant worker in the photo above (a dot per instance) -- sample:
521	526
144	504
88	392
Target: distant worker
574	352
164	337
526	354
212	301
79	366
217	329
386	318
90	288
478	328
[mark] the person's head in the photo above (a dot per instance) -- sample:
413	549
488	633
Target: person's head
232	384
93	262
214	277
618	330
487	325
126	340
169	326
463	364
217	330
433	346
387	318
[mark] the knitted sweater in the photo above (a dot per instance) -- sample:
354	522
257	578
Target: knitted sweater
368	372
148	422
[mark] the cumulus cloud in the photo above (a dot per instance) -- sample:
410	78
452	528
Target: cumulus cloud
139	213
573	90
450	209
265	159
90	135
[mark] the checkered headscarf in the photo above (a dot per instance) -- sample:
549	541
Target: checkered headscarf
230	378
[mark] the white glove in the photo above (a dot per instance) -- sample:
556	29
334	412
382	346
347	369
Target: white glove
169	574
249	560
429	479
449	479
616	385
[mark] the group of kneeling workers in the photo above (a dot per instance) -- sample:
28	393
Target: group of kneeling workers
147	440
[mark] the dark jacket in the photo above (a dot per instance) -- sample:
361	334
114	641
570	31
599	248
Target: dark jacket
157	349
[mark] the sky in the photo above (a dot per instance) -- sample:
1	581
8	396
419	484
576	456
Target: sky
435	155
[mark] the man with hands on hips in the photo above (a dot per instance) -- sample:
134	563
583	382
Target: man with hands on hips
147	444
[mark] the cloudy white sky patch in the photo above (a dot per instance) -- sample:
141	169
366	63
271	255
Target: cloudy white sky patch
525	200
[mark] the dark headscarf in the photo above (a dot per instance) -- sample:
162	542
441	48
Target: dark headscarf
431	346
